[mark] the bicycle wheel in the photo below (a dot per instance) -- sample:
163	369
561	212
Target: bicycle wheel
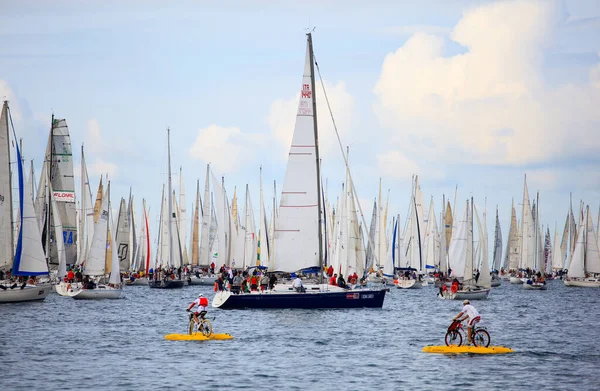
453	338
206	327
192	326
481	338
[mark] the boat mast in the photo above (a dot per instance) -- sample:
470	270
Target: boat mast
48	190
12	221
170	200
317	158
537	215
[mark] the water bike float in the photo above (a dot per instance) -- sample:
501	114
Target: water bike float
197	337
453	349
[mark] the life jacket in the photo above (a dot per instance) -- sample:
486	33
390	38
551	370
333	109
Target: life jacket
254	280
204	302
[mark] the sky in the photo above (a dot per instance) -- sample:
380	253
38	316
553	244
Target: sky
467	94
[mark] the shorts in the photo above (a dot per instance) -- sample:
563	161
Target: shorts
474	321
200	314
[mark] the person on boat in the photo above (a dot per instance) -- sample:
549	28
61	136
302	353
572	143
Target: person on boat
202	303
71	276
333	280
236	285
264	282
341	282
272	281
330	271
254	281
472	314
297	285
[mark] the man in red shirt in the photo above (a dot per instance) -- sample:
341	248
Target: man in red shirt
333	280
70	276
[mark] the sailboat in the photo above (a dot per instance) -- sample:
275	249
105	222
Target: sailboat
461	259
98	264
298	242
532	282
171	245
584	268
410	274
26	258
497	256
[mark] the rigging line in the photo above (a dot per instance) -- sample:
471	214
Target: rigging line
362	216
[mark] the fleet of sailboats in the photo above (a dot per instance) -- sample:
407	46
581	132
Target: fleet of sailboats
53	230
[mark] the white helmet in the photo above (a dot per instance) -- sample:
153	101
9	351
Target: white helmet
200	294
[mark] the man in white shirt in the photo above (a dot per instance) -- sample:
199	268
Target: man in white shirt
297	284
472	314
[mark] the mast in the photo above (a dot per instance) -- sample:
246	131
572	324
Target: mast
49	194
317	157
537	215
170	198
9	192
418	233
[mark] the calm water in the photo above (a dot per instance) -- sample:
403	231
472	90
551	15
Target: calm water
63	344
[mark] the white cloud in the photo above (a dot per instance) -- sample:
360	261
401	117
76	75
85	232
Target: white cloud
417	28
227	149
100	167
489	105
396	165
282	117
94	142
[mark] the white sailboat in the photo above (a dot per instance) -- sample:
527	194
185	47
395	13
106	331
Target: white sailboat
532	282
26	258
497	255
584	269
97	265
461	258
298	243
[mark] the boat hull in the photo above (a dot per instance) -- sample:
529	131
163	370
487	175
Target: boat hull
409	284
66	289
138	281
29	293
477	294
536	286
311	300
496	283
589	283
168	284
516	280
97	293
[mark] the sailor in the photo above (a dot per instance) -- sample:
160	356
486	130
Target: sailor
297	284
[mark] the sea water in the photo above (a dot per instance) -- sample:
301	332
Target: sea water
64	344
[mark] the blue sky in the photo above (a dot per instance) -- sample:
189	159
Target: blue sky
467	93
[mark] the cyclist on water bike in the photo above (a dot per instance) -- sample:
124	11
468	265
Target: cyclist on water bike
202	303
470	312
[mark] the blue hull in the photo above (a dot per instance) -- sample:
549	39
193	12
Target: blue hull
323	300
168	284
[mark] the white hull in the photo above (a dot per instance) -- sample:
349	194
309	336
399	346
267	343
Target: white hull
466	294
67	289
536	286
409	284
100	292
137	281
496	283
516	280
29	293
584	283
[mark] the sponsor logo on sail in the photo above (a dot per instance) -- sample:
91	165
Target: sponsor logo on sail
64	196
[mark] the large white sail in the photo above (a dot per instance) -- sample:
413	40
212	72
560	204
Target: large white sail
61	177
263	231
176	250
512	258
164	233
592	257
223	224
6	211
457	251
432	242
557	254
249	230
484	269
60	248
205	255
527	232
238	234
115	274
497	256
183	221
95	262
296	240
122	237
577	262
